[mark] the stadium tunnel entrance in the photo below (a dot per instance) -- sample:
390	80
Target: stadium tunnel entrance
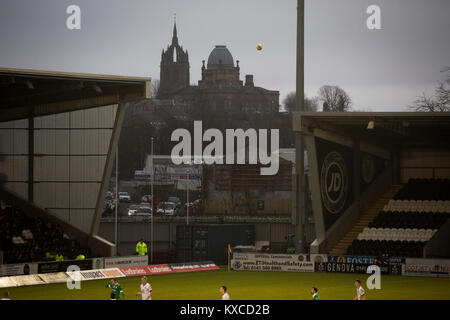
358	158
58	138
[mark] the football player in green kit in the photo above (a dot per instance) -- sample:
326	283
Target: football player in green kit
116	288
315	295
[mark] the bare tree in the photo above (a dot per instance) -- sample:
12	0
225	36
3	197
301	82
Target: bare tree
290	103
334	99
155	87
441	100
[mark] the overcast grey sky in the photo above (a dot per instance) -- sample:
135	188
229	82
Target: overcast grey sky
382	70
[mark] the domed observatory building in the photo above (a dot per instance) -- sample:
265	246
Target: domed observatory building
221	71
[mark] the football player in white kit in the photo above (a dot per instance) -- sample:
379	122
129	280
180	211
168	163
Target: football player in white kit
223	291
360	293
146	289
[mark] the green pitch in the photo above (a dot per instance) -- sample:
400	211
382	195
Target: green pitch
248	285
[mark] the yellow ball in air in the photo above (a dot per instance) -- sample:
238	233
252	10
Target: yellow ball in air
259	47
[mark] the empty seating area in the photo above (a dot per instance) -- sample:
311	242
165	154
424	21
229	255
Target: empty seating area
391	248
407	222
395	234
418	205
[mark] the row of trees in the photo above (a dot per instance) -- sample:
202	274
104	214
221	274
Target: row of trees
440	102
335	99
330	98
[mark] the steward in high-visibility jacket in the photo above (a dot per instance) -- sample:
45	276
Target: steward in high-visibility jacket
49	256
80	257
59	257
141	248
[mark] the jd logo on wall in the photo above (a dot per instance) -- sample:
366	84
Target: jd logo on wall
334	182
336	175
335	164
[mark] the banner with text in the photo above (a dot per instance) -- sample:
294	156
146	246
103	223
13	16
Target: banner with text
53	267
193	266
26	280
146	270
365	260
58	277
18	269
426	267
340	267
96	274
126	262
271	262
169	268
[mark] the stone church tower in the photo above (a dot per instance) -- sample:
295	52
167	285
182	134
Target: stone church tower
174	68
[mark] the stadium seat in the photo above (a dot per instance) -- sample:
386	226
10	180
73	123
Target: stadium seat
408	221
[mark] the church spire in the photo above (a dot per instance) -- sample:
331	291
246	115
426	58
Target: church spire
174	73
175	36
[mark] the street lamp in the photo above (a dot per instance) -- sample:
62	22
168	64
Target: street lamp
300	168
187	204
116	200
153	201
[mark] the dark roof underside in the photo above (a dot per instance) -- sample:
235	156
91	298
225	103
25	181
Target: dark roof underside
25	93
415	129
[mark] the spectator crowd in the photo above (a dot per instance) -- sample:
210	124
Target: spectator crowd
25	238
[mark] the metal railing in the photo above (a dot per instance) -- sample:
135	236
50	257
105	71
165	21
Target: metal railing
205	219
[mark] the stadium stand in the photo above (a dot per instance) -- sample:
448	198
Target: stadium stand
425	189
407	222
28	239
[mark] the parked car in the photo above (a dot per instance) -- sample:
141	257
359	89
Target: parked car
166	208
145	206
148	198
194	207
133	209
108	207
182	211
175	200
124	197
144	212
